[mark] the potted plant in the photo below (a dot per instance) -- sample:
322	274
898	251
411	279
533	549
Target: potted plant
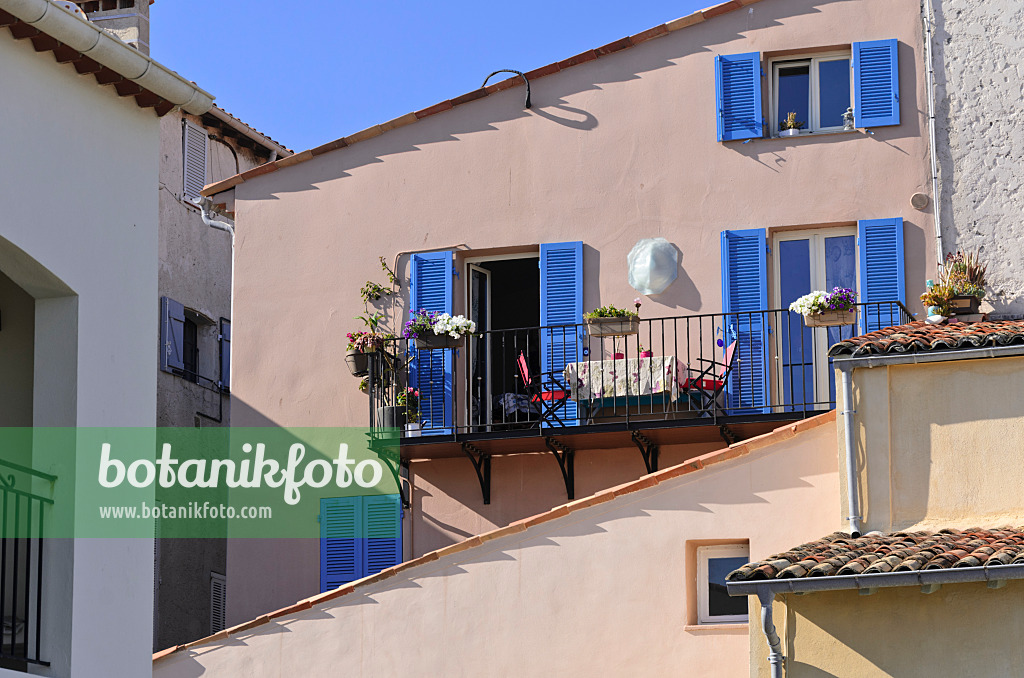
433	330
609	321
360	345
964	276
790	127
410	400
936	299
827	309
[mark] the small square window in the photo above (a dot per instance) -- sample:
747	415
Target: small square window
714	604
816	90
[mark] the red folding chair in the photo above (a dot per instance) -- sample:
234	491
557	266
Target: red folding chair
705	388
549	397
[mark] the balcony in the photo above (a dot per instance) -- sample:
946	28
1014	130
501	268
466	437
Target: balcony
681	379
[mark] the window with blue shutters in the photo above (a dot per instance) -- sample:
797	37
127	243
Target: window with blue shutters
561	315
876	83
745	297
431	371
880	243
172	335
359	536
738	96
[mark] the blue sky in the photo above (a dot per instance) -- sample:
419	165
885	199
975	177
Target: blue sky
306	74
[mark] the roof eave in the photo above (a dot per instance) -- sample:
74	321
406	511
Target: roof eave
848	361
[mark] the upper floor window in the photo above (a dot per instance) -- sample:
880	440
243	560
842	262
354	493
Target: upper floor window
714	604
194	150
817	90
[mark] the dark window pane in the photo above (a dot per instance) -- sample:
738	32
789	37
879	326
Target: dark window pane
840	271
797	339
833	91
191	350
719	601
795	93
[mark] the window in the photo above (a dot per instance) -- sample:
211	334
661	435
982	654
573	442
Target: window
194	140
193	346
817	89
191	350
359	536
714	604
218	601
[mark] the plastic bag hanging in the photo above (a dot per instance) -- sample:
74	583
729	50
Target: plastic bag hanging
653	265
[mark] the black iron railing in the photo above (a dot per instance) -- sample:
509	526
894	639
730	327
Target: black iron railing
693	369
23	516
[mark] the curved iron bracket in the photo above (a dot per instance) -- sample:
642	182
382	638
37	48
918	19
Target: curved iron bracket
648	450
565	456
482	465
520	74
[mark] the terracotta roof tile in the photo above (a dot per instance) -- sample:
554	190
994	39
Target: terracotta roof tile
919	336
839	554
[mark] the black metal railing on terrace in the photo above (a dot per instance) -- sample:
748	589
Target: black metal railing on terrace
690	370
22	513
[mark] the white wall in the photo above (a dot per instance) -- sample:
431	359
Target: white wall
78	182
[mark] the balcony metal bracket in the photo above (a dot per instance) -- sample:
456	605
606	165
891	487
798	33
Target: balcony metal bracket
395	466
482	465
728	435
648	450
565	456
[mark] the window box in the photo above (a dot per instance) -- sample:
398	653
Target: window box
430	341
714	604
612	327
831	319
964	305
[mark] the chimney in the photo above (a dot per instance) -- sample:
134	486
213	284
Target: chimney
127	19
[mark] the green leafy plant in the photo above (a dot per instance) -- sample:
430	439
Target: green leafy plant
611	312
940	295
964	274
410	400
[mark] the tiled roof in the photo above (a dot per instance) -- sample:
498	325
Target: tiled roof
692	466
251	131
917	337
839	555
624	43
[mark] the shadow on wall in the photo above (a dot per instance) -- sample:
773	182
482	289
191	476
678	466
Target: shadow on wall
683	292
549	98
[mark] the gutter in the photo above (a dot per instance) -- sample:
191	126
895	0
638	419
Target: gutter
848	362
107	50
276	149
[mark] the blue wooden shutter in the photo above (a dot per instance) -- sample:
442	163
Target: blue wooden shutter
880	242
561	315
172	335
876	83
341	549
744	297
431	371
225	354
382	527
738	96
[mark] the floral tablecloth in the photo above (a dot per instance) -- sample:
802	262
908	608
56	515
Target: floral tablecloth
598	379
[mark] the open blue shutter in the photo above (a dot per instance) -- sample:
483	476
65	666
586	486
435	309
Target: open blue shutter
738	96
341	549
431	371
876	83
880	242
745	297
225	354
382	525
172	335
561	312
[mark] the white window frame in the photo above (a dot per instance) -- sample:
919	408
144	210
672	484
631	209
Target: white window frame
703	554
814	124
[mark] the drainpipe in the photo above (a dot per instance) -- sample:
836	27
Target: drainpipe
775	657
851	466
929	34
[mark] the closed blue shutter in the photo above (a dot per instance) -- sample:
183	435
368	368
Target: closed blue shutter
431	371
561	312
172	335
745	296
876	83
341	549
225	354
382	525
738	96
880	242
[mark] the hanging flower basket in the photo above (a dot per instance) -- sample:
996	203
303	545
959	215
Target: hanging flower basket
831	319
358	363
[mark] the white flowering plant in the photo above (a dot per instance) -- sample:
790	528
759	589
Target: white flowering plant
810	304
453	326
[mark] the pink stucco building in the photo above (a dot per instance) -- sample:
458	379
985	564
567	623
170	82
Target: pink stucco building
522	219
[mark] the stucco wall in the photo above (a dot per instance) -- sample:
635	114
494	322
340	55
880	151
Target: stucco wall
980	129
938	444
78	174
605	590
960	630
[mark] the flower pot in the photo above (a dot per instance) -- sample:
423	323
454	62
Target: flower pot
933	310
646	354
789	133
964	305
430	341
612	327
412	430
831	319
358	363
392	416
618	356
